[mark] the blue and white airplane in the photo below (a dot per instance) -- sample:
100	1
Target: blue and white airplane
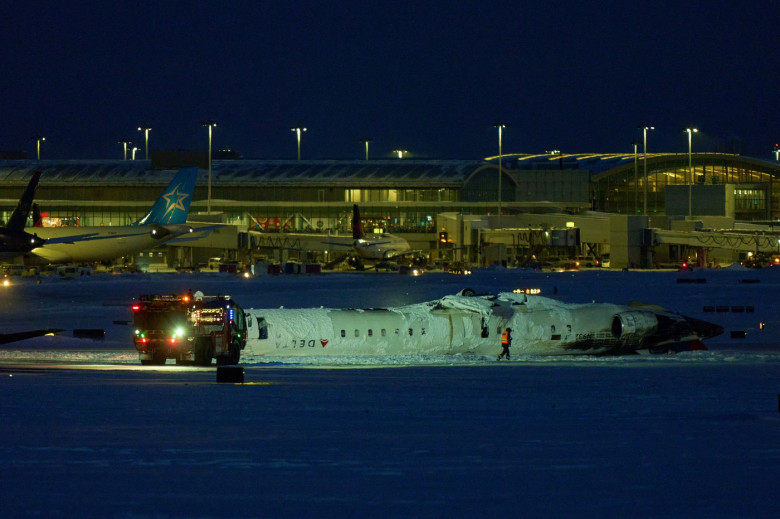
165	220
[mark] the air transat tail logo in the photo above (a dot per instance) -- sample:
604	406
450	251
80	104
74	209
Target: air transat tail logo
174	200
324	342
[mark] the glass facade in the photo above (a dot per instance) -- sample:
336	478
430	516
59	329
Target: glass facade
625	189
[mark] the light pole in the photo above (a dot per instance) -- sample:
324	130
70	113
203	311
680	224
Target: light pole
38	139
146	129
298	131
132	154
399	153
366	140
776	151
690	132
124	147
500	127
635	144
644	162
210	125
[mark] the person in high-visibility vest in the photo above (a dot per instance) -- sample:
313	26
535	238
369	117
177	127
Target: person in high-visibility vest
506	342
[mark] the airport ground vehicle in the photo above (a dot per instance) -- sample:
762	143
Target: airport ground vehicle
190	329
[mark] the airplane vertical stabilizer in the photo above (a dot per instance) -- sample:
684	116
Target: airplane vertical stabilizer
36	216
19	217
173	206
357	224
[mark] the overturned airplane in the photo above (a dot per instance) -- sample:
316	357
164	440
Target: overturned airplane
467	323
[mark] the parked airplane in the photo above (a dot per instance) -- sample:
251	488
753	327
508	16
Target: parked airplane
472	324
358	248
164	221
380	247
14	240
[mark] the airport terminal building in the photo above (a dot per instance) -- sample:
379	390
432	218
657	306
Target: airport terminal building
640	210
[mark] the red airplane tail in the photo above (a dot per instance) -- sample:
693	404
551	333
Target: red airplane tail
357	224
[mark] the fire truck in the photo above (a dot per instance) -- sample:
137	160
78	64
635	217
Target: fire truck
191	330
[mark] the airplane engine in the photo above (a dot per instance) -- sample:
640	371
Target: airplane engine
158	231
627	325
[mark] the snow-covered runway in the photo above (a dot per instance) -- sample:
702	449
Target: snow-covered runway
87	431
640	440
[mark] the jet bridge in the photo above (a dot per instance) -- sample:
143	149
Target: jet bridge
763	242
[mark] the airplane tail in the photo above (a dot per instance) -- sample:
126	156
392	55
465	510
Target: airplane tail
37	218
357	224
19	217
173	206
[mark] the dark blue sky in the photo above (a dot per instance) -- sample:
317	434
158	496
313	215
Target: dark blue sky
428	77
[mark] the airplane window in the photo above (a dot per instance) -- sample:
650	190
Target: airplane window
357	333
397	331
240	320
384	332
370	332
410	331
262	328
422	332
552	328
343	333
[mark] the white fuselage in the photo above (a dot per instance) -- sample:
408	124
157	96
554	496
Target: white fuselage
89	244
453	325
382	247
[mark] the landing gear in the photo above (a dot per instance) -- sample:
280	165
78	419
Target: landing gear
355	262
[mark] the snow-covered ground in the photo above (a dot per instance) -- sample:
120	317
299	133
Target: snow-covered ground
89	432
